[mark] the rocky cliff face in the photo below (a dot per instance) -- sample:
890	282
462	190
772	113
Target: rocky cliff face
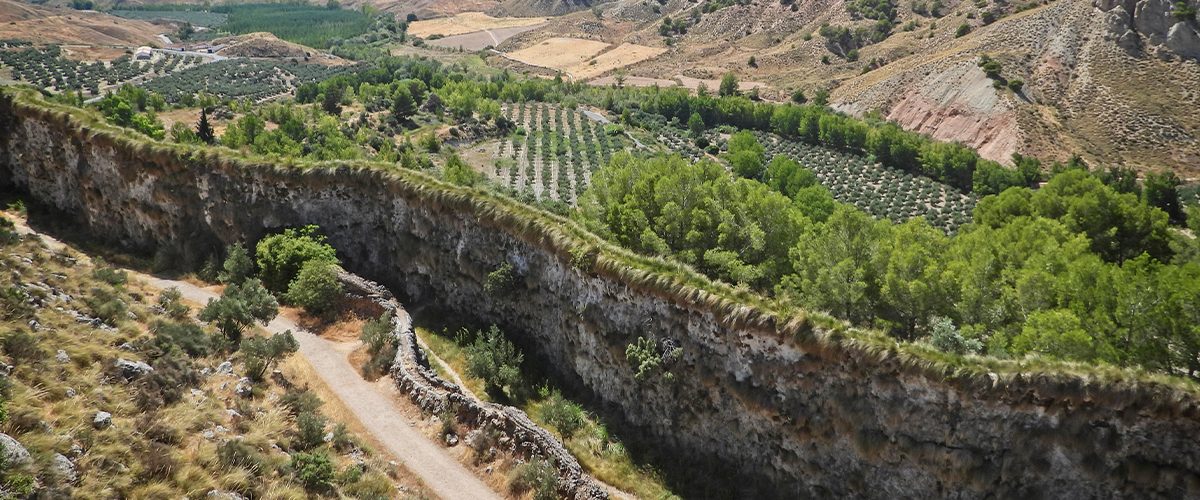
1156	26
754	410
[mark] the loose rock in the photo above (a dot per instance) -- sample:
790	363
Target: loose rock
14	453
102	420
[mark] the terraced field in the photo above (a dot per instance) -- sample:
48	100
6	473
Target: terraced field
554	151
881	191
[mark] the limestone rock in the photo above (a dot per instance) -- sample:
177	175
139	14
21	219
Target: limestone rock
14	453
102	420
62	357
244	388
1184	40
64	468
132	370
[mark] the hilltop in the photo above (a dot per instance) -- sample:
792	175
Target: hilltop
1115	87
266	45
20	20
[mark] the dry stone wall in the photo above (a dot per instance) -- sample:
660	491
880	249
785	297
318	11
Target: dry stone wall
749	410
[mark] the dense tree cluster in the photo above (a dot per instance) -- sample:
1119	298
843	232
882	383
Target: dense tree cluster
134	108
953	164
1075	270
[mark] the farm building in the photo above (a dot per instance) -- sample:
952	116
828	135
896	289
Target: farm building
142	53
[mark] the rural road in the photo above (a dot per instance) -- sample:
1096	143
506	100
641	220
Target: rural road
441	473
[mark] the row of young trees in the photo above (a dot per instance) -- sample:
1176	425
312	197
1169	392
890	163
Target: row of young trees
1075	270
886	142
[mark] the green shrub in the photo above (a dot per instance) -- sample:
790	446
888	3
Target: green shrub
646	358
494	359
239	307
114	277
310	431
22	347
962	30
947	338
237	266
562	414
188	337
8	232
299	401
263	354
171	302
377	336
316	288
14	303
501	281
371	486
237	454
281	256
107	305
313	470
173	373
538	476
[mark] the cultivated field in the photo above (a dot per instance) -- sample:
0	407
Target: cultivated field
625	54
469	22
553	153
480	40
876	189
559	53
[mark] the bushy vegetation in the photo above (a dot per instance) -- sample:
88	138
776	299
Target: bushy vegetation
1071	257
175	430
311	25
239	79
281	256
584	435
494	359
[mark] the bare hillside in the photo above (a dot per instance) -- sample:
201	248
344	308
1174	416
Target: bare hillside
1116	82
20	20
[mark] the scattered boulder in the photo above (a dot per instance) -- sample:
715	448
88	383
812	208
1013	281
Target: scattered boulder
244	388
14	453
65	469
102	420
1184	40
225	367
451	440
62	357
70	392
131	370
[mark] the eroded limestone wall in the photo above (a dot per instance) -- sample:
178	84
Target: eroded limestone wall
758	413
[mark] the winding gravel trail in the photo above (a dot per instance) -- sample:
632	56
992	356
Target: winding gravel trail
444	475
441	473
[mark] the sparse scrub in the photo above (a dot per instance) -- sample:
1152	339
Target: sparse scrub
537	476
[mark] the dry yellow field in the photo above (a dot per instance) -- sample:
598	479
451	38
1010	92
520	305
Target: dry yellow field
625	54
559	53
469	22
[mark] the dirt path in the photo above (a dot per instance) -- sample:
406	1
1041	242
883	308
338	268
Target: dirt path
444	475
440	472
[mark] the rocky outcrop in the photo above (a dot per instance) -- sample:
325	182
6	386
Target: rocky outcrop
1151	25
760	404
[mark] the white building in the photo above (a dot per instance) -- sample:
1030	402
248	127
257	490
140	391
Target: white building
142	54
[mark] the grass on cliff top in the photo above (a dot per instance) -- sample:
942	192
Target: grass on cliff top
669	279
601	454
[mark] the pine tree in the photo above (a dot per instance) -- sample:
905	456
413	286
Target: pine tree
203	129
